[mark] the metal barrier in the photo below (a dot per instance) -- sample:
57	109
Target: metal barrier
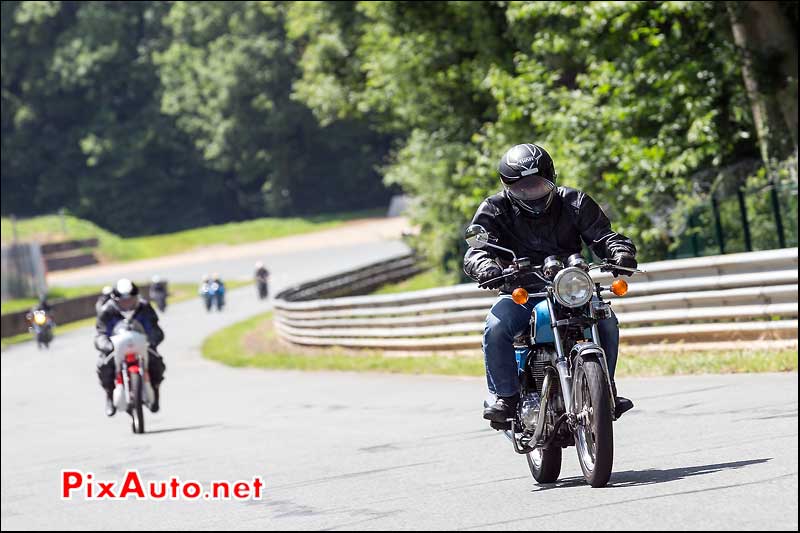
359	281
746	296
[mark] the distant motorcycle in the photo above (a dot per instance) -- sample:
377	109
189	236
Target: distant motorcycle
263	290
158	294
41	326
133	390
213	294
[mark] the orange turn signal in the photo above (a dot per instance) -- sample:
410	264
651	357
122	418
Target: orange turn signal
520	296
619	287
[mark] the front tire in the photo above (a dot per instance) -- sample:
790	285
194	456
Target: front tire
137	411
594	438
545	465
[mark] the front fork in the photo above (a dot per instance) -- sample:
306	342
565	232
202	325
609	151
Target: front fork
564	370
603	361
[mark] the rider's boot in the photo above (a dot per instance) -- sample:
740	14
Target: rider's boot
621	404
503	409
110	407
154	407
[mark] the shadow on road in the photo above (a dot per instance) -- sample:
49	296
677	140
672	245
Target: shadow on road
634	478
184	428
651	476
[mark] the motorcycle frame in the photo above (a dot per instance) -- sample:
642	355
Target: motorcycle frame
563	369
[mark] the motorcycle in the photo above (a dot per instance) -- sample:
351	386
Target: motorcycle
133	390
41	326
158	294
566	395
213	294
261	282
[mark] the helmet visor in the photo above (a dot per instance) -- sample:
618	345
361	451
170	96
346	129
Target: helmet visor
530	188
127	303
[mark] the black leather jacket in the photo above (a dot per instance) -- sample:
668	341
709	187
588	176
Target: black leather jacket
573	217
110	315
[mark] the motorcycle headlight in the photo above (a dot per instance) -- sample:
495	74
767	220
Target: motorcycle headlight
40	318
572	287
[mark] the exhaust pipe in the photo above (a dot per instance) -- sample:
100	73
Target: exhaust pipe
519	447
546	384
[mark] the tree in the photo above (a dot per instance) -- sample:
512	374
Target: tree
640	103
81	122
123	112
228	75
766	35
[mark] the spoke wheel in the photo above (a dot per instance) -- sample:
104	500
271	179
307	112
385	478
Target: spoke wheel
594	437
545	465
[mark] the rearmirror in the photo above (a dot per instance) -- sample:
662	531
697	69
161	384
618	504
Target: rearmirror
476	236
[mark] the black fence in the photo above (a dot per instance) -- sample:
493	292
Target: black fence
742	220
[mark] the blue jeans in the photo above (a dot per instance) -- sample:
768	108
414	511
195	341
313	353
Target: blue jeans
505	321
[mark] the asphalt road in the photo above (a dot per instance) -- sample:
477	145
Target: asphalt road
290	259
368	451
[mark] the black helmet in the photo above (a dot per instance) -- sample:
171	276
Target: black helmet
125	295
529	178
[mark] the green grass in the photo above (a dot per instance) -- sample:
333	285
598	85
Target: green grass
179	292
707	362
19	304
424	280
115	248
253	343
60	328
53	293
226	346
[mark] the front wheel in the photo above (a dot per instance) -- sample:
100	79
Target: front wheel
545	465
137	410
594	437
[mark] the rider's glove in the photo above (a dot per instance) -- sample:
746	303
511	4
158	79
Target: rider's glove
624	260
491	272
104	344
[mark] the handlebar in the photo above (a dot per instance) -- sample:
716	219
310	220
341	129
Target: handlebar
516	269
610	267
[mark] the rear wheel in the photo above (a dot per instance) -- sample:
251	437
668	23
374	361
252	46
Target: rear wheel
545	465
594	437
137	410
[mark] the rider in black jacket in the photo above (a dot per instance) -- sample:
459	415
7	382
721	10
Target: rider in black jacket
125	299
536	219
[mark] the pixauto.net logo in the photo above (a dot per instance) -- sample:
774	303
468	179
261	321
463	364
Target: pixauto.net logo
79	485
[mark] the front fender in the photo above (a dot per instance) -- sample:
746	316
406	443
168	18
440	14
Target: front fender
585	349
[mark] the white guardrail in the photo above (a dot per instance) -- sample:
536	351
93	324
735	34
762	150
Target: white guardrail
748	296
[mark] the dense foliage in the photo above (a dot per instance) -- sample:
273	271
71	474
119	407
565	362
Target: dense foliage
642	104
238	109
155	116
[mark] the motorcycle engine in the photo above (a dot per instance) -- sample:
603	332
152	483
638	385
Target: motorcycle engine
529	410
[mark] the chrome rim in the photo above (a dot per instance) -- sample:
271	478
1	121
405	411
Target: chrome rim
587	449
536	458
